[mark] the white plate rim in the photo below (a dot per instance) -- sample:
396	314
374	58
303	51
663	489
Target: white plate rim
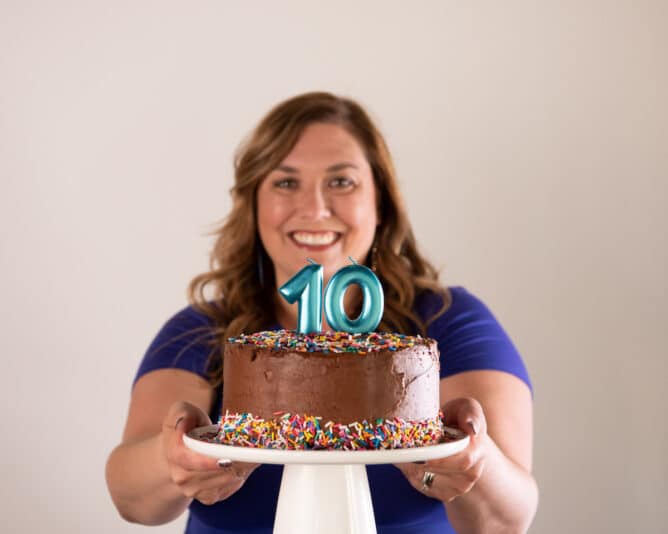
281	456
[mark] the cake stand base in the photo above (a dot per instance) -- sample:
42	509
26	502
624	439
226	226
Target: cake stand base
323	491
328	499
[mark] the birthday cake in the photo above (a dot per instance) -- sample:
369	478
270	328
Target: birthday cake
331	390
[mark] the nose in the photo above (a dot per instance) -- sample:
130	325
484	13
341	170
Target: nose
314	204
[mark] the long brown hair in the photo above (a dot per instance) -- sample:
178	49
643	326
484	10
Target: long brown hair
241	283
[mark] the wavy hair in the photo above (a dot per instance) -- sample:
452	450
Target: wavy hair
240	283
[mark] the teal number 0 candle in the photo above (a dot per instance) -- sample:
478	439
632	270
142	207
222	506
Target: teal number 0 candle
373	300
306	286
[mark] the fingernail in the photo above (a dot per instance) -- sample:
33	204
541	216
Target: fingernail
224	462
176	425
473	428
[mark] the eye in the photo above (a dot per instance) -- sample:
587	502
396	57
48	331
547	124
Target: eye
341	182
285	183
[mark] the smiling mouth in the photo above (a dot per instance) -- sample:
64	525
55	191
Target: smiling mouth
314	239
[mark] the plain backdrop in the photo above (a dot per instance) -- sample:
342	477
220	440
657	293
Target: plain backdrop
531	144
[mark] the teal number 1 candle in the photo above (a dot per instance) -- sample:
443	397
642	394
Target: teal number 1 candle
306	286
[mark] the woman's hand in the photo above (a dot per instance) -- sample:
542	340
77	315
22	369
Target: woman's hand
197	476
446	479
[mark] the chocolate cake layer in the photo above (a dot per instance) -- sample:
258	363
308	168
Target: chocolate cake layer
340	387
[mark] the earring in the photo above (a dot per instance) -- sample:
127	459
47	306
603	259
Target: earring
374	257
260	264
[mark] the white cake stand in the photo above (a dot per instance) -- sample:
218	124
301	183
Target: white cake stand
323	491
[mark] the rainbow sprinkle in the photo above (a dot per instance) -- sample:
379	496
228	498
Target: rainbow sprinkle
304	432
335	342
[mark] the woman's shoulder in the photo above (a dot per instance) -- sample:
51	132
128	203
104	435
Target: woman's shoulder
457	300
457	315
189	316
469	335
183	341
188	327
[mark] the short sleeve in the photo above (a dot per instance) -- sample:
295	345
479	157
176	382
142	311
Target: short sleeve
182	343
470	338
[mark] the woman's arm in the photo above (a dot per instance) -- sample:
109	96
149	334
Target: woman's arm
152	477
488	487
505	497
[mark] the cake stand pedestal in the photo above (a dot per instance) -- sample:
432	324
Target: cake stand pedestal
323	491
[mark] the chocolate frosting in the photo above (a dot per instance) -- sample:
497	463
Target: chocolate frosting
344	387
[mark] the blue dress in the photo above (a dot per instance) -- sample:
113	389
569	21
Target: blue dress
469	338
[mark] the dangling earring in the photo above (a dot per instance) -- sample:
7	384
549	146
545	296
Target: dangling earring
260	264
374	256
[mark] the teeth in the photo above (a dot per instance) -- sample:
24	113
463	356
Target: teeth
309	238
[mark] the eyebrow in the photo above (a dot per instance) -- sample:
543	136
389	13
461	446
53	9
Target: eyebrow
331	168
340	166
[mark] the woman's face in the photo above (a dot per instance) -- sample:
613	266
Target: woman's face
319	203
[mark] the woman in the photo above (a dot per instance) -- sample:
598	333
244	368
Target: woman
315	179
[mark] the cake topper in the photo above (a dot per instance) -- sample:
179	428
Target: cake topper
306	286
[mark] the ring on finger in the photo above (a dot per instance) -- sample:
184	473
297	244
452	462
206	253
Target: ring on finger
427	480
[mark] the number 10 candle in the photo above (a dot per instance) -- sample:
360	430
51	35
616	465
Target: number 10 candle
306	286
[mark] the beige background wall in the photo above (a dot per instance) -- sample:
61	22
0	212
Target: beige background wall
531	141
